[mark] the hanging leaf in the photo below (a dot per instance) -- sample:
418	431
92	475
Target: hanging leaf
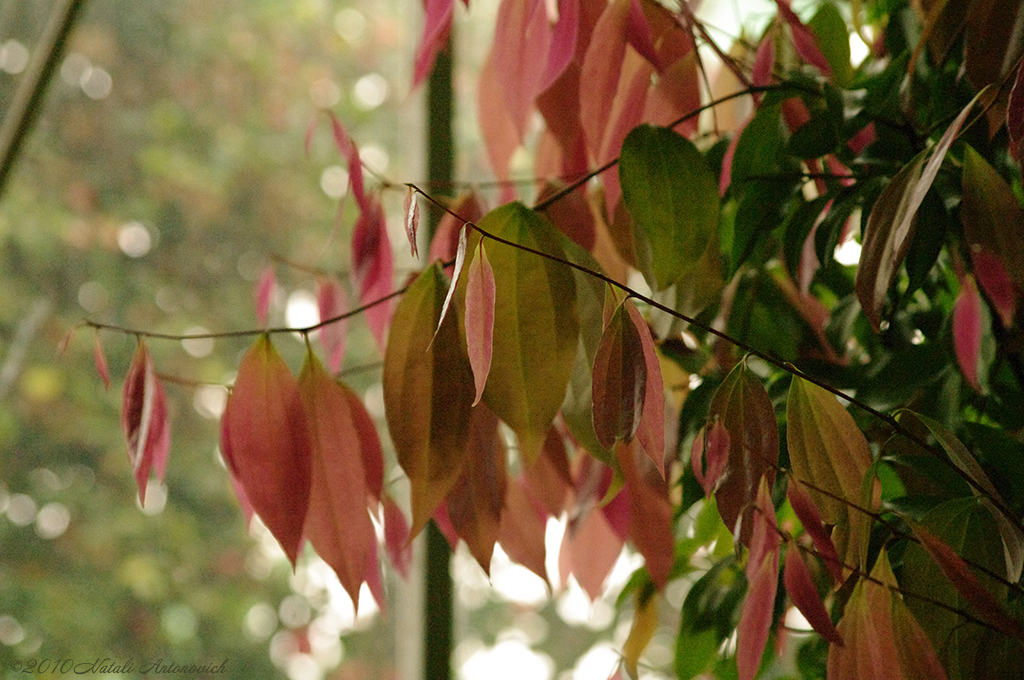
712	445
961	576
549	479
266	442
801	590
373	265
763	579
743	408
1015	116
99	358
476	501
412	219
436	28
337	522
645	624
650	513
620	381
651	432
332	302
264	293
803	40
830	453
600	74
638	35
397	540
535	326
969	330
671	194
521	530
522	38
480	318
460	261
369	445
144	420
812	523
348	149
563	40
428	392
499	133
890	226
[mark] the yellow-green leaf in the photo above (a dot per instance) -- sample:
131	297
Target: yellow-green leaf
428	393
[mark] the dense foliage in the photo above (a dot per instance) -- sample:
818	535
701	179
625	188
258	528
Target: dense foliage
665	348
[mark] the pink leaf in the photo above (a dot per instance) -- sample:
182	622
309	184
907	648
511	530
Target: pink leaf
803	40
522	38
563	42
589	550
347	148
396	537
443	521
144	420
548	480
996	282
412	219
436	29
967	330
651	432
599	79
811	520
650	511
480	318
756	617
764	60
100	359
711	445
501	139
374	266
522	528
801	590
638	35
264	293
332	301
961	576
460	261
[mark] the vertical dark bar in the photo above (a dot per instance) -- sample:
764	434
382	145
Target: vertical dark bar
28	98
437	630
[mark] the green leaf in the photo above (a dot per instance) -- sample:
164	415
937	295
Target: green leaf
536	329
830	29
428	393
673	199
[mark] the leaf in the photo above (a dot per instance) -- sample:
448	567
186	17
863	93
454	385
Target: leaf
589	550
1015	116
521	530
890	226
645	624
412	219
968	330
337	522
549	479
264	293
743	408
801	590
480	318
993	220
812	523
563	41
460	261
144	420
829	453
369	444
266	442
397	540
467	209
712	445
332	302
436	29
651	432
600	74
535	326
650	513
99	358
763	578
961	576
803	40
522	38
673	199
476	501
348	149
373	266
832	37
427	394
638	35
620	381
501	138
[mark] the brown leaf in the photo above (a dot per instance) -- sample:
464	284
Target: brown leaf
620	381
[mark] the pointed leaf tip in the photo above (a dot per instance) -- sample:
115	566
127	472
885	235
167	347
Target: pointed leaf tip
480	318
264	293
100	359
144	419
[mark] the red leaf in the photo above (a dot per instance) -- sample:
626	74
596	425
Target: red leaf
803	39
347	148
374	267
266	442
443	522
479	318
436	29
651	431
800	588
711	445
563	42
396	537
548	480
522	528
144	420
996	282
264	293
369	446
650	512
337	522
764	60
638	35
619	381
756	616
967	330
476	501
811	520
522	38
100	359
412	219
332	301
961	576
